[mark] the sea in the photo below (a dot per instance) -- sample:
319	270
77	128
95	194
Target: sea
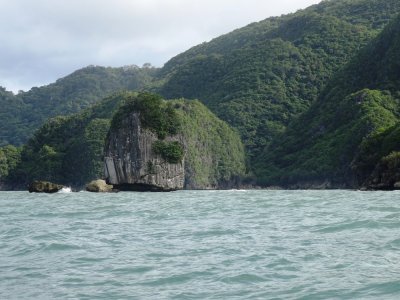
237	244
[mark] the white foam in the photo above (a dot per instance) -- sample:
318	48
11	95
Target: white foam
65	190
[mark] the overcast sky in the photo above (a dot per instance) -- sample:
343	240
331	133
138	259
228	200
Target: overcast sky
42	40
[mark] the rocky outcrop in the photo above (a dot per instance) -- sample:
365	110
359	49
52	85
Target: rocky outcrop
159	145
44	187
99	186
386	175
132	164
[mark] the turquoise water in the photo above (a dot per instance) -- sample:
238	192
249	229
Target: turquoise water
200	245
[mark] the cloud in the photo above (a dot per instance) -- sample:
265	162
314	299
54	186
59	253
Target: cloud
43	40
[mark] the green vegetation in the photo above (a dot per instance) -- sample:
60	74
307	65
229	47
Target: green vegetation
344	135
9	158
214	152
257	78
374	152
260	77
314	96
69	149
25	112
172	152
155	114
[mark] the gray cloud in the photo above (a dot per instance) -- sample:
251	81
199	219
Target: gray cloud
43	40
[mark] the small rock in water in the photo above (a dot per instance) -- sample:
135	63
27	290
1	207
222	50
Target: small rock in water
99	186
44	187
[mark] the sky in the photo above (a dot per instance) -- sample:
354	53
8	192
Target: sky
43	40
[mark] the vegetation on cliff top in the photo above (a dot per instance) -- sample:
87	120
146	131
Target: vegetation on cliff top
155	114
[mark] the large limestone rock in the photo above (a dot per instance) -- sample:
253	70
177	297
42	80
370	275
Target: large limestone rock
44	187
132	164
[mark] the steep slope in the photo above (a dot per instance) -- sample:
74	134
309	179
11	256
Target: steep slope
260	77
335	138
23	113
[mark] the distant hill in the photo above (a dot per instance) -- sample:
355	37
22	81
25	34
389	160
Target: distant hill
22	114
258	78
352	127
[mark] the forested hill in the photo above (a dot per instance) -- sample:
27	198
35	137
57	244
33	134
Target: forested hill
22	114
69	150
259	77
351	135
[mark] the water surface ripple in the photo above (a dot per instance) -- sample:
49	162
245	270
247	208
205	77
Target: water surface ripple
200	245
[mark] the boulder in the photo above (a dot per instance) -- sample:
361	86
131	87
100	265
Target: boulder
99	186
44	187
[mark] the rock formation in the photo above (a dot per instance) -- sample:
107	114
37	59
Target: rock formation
131	162
386	175
99	186
44	187
158	145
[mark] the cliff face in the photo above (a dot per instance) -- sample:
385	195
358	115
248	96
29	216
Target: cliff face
131	162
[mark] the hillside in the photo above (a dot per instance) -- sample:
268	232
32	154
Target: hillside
66	149
351	127
25	112
69	149
258	78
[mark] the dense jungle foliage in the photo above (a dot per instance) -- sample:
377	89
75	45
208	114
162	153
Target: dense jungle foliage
352	126
258	78
22	114
9	159
67	149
